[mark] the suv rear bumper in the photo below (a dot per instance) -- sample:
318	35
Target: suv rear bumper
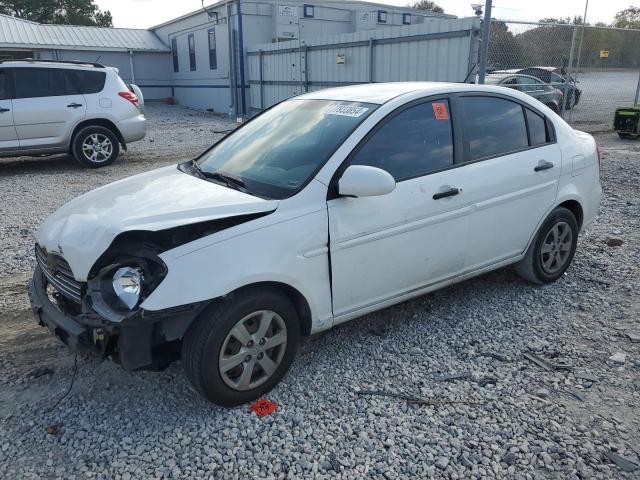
133	129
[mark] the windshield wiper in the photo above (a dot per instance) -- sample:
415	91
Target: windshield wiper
229	180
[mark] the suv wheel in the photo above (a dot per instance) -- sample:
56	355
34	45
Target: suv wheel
552	250
95	146
239	349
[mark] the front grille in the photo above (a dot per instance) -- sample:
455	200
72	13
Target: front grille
59	275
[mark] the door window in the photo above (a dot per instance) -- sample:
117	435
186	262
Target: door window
85	82
213	58
39	82
494	126
415	142
174	54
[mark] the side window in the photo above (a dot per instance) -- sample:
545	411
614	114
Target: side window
4	85
192	52
213	58
529	84
537	128
85	82
417	141
174	54
39	82
494	126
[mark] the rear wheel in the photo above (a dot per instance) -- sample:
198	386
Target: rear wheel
95	146
239	349
552	250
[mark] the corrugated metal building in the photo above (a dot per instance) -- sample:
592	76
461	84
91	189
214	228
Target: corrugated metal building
201	58
210	68
139	54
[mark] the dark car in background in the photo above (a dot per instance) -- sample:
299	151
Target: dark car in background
556	78
545	93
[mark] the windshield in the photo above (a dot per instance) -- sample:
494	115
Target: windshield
276	153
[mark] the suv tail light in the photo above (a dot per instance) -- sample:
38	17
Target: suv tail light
130	96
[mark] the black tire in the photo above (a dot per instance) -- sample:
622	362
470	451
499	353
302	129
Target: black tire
205	338
84	135
628	136
531	266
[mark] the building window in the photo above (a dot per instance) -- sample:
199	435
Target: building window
174	53
213	57
406	18
308	11
192	52
382	16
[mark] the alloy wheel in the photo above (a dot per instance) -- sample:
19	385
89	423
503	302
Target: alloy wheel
252	350
556	248
97	148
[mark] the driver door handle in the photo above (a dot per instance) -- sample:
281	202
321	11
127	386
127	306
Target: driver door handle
74	105
447	193
2	110
543	165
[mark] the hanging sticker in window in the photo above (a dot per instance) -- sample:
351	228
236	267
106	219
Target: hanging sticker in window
440	110
346	110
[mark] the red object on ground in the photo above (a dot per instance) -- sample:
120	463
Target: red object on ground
263	407
171	101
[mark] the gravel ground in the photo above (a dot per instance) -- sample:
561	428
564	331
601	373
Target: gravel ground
487	410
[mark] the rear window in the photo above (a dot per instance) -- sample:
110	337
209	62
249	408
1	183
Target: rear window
39	82
537	128
494	126
85	82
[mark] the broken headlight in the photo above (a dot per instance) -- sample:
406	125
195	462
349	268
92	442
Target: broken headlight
127	285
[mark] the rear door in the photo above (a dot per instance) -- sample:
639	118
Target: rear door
511	178
8	135
45	111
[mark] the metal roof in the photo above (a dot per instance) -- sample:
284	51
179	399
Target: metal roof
18	33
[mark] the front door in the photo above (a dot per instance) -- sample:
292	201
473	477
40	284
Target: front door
44	113
8	135
386	246
512	179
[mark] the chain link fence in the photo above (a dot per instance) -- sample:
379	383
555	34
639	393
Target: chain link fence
593	70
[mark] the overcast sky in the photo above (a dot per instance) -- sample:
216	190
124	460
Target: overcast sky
147	13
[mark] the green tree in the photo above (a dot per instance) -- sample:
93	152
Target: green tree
628	18
65	12
428	6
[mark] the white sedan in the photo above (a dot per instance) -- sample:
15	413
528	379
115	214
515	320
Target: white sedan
321	209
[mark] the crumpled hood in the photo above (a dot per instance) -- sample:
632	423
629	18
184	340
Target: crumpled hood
83	229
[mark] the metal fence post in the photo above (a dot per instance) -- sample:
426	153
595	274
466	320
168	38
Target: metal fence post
635	101
371	43
568	72
260	57
486	29
305	65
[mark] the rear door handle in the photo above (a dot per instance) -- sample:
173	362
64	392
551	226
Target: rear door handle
2	110
543	165
447	193
74	105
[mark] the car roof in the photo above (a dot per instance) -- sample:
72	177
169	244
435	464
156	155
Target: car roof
379	93
497	77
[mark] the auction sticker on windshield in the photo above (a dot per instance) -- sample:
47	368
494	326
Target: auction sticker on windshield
346	110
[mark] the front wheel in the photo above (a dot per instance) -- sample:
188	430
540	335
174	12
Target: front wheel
240	348
95	146
552	249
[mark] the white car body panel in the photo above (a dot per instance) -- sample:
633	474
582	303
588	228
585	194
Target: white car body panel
373	251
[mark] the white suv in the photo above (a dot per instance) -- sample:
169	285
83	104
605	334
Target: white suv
49	107
319	210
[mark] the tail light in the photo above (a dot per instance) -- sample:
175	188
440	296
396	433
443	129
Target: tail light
130	97
599	156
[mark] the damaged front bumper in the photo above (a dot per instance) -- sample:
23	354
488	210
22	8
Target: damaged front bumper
145	340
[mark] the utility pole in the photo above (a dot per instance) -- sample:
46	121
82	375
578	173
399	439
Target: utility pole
484	52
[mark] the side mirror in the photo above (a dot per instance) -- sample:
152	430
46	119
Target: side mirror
364	181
